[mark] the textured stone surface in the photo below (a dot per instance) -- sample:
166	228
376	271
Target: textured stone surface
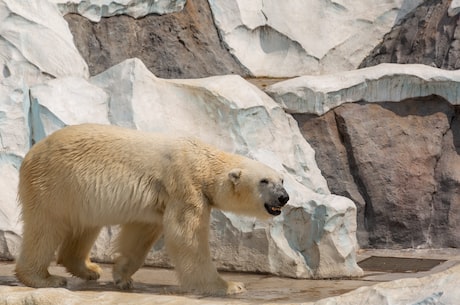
397	162
315	237
35	45
446	200
179	45
439	288
319	94
235	116
428	35
285	39
454	8
27	26
94	10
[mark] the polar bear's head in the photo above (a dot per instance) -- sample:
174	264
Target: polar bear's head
254	189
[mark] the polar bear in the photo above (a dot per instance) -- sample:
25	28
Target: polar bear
84	177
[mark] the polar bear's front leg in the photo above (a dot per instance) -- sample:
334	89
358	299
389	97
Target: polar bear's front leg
133	244
186	228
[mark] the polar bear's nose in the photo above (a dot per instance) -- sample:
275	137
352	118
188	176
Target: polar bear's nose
283	199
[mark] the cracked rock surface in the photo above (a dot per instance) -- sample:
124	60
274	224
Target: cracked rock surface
184	44
398	162
428	35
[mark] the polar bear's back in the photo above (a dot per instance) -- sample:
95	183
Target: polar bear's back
101	174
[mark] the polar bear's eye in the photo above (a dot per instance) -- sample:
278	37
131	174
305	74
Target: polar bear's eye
264	181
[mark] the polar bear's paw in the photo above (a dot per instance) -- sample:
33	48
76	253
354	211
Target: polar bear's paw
53	281
92	272
235	288
123	284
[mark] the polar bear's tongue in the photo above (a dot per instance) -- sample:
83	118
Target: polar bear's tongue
273	210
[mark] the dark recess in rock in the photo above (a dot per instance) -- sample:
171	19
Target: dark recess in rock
179	45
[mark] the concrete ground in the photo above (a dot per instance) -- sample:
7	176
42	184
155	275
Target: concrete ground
260	288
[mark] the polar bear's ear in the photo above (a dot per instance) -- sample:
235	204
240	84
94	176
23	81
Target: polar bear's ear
235	175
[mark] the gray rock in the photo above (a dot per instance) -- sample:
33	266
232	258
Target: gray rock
180	45
428	35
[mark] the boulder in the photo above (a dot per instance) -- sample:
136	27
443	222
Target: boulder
31	25
396	160
65	101
440	288
184	44
286	39
318	94
427	35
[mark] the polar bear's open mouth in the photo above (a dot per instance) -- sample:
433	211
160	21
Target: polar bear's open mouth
273	210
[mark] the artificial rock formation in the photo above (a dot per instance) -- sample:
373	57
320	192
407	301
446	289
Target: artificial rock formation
428	35
275	39
233	115
393	152
41	93
256	38
184	44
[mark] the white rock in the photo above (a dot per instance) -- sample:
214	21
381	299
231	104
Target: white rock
14	142
286	39
226	111
454	8
10	227
94	10
39	35
315	237
381	83
66	101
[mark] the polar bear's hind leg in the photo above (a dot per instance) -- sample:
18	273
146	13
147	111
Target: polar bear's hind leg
74	254
40	241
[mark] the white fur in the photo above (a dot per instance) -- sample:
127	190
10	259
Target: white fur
84	177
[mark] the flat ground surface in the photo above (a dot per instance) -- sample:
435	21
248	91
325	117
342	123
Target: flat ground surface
262	288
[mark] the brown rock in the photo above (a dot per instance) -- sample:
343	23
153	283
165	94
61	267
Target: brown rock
446	221
332	158
179	45
397	162
428	35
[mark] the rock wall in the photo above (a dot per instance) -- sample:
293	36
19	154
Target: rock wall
428	35
257	38
396	160
45	87
184	44
269	44
394	153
